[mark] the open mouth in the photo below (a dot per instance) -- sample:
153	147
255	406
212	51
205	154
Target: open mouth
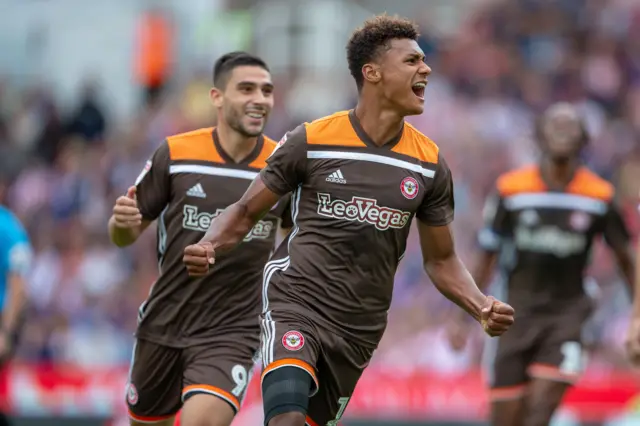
258	115
418	89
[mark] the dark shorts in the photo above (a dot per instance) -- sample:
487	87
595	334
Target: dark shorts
161	378
334	363
544	346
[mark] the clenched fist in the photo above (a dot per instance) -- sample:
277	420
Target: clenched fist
126	213
496	317
198	257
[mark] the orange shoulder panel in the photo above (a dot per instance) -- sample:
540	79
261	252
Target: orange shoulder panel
417	145
589	184
267	148
334	129
525	179
194	145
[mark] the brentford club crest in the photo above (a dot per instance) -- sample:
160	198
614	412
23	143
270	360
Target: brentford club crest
293	340
579	221
132	394
409	188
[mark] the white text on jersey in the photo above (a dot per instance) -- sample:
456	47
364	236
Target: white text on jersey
200	221
364	210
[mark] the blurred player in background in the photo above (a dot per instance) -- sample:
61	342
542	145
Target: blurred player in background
15	260
540	227
197	338
358	178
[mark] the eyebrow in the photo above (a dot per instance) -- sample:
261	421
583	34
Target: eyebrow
253	83
417	55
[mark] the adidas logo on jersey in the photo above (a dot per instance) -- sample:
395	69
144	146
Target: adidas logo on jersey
197	191
336	177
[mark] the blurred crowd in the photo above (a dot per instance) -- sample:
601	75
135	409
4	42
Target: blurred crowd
63	168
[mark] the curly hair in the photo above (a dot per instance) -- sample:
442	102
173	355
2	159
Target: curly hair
367	41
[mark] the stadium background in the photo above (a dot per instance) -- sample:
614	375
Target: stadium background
88	89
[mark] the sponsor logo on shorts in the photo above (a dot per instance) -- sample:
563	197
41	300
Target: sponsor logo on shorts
364	210
409	188
293	340
132	394
195	220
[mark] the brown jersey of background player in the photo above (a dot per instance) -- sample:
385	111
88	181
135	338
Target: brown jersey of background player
197	338
541	223
358	179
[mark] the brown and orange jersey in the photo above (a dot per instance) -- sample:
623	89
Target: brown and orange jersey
188	182
352	206
545	236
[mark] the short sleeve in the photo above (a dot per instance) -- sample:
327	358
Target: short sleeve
18	250
286	167
154	184
615	231
438	205
495	223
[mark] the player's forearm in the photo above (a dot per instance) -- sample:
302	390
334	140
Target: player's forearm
454	281
483	270
229	228
15	304
123	237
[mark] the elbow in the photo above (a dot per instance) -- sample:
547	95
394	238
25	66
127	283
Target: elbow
436	270
242	210
434	264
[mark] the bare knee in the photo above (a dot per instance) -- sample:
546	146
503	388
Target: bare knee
288	419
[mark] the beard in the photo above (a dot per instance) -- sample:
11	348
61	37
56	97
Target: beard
234	120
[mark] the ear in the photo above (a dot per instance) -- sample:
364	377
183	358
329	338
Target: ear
371	73
215	95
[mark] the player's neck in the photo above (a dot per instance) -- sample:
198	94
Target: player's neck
235	145
380	124
558	173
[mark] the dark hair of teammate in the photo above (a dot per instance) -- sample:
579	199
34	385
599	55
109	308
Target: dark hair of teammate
373	37
228	62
